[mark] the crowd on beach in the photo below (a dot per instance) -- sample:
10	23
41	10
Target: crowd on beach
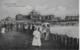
37	31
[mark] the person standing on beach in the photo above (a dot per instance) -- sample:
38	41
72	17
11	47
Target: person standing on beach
3	29
47	32
37	38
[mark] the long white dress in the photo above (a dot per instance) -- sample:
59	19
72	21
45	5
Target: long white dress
26	27
36	39
3	30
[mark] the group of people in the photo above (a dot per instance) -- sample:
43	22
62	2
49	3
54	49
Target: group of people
6	27
39	32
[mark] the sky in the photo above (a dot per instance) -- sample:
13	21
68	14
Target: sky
59	8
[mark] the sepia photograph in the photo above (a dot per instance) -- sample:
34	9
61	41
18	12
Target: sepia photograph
39	24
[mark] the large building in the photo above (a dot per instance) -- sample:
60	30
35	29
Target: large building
72	18
35	17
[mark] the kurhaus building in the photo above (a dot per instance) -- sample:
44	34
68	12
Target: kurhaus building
35	17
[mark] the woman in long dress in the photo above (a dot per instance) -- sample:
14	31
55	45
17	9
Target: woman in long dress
47	32
3	30
43	32
37	38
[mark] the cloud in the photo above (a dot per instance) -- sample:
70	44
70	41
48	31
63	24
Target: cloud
56	7
25	10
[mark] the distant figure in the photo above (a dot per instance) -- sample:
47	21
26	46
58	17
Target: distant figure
30	30
8	27
32	27
19	27
3	30
26	27
47	32
11	26
37	38
43	31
